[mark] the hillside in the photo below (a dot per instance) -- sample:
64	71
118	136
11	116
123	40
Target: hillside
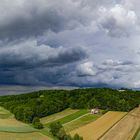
70	108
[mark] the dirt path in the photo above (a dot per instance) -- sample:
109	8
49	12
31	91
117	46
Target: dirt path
126	128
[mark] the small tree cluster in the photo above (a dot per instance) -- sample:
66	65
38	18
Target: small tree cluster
37	124
58	131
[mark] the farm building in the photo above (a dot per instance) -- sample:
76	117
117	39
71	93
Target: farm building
94	111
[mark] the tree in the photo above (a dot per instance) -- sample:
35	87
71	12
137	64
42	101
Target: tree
55	128
67	137
61	134
37	124
93	103
77	137
28	115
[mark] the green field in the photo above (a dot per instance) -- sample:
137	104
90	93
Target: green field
58	115
138	136
70	117
81	121
5	113
11	129
23	136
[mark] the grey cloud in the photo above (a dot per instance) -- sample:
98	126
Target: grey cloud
40	39
24	56
118	20
33	18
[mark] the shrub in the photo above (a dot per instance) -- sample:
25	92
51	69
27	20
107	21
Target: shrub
37	124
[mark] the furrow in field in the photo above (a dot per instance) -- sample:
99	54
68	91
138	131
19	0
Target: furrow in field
126	128
97	128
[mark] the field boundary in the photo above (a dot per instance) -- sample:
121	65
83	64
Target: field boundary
134	137
111	127
75	119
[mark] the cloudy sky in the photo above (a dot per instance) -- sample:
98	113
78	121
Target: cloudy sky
81	43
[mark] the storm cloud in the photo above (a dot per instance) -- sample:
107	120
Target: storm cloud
84	43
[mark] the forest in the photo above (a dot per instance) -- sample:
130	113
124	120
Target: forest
28	107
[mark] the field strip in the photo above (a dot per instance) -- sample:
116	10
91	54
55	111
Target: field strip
82	121
96	129
23	136
76	119
138	136
58	115
126	128
70	117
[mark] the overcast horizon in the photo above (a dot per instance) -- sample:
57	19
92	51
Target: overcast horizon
70	43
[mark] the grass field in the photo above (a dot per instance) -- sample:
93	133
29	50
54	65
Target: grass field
126	128
80	122
5	113
57	116
9	124
23	136
138	136
70	117
12	125
11	129
96	129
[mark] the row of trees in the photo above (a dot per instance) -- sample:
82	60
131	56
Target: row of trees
27	107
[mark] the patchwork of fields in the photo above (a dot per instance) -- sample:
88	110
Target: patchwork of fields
11	129
110	126
126	128
58	115
71	117
96	129
81	121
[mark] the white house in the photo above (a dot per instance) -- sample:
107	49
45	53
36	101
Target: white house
94	111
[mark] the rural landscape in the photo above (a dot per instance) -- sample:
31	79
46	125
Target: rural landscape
69	69
80	114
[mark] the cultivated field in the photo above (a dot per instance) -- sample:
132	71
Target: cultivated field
5	113
81	121
57	116
126	128
22	136
138	136
70	117
11	129
96	129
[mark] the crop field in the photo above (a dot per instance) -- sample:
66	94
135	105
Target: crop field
9	124
12	125
70	117
23	136
11	129
126	128
57	116
5	113
96	129
87	118
138	136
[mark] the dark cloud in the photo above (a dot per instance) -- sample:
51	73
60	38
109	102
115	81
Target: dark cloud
70	43
33	18
30	57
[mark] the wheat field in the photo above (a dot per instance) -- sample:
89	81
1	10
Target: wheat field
96	129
